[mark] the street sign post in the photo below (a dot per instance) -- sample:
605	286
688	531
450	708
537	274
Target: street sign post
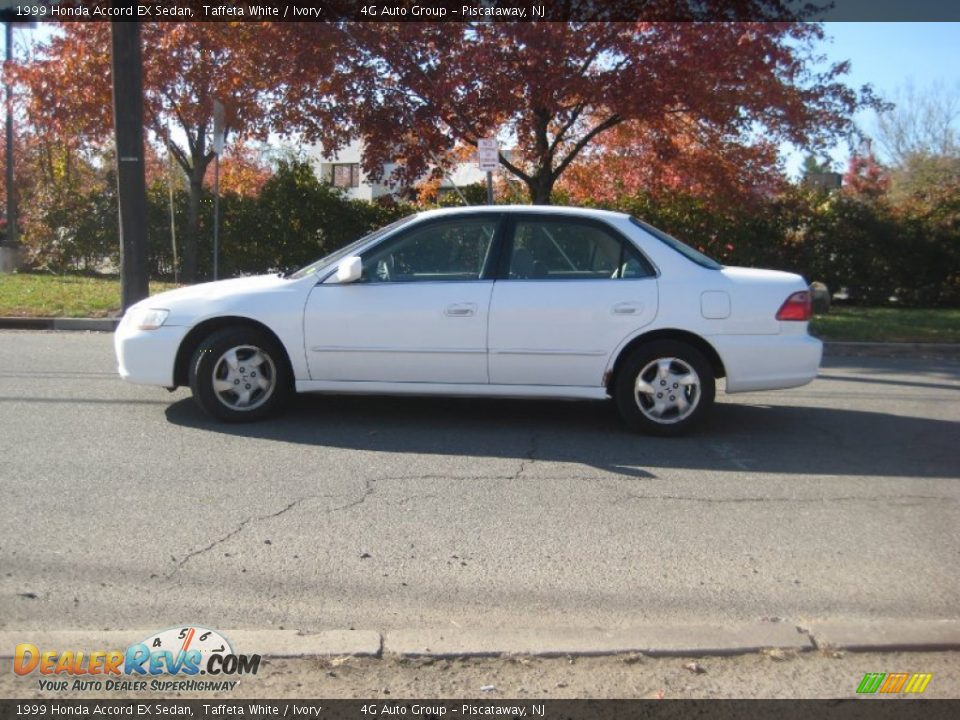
488	160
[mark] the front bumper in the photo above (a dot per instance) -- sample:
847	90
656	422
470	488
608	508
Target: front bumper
147	357
768	362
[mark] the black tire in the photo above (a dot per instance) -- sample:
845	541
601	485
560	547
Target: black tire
260	360
639	409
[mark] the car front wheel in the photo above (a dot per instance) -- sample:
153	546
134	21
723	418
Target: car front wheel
239	375
664	388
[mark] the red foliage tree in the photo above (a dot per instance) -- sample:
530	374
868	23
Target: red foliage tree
865	177
632	159
66	91
414	90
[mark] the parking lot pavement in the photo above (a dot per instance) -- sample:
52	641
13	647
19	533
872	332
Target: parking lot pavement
125	507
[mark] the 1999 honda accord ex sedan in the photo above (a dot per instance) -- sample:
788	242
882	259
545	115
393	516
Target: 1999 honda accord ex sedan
533	302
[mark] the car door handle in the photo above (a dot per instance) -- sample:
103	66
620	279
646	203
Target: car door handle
627	308
461	310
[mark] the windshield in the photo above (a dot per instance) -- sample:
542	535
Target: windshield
343	252
681	247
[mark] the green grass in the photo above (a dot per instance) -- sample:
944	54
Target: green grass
42	295
888	325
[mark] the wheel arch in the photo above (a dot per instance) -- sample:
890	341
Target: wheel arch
181	366
708	351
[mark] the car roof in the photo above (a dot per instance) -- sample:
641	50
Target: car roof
526	209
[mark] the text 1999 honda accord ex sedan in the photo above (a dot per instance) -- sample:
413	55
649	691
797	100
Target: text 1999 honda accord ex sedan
534	302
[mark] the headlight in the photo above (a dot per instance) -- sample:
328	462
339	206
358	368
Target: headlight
148	318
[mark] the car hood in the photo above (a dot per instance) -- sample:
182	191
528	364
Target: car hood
213	290
187	304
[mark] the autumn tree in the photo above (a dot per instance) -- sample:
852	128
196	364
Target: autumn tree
243	171
679	158
65	89
866	178
412	91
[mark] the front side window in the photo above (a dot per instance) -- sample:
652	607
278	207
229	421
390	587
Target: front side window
325	262
569	250
452	251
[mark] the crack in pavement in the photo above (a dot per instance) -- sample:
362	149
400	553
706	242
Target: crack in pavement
404	501
529	460
236	531
367	492
369	489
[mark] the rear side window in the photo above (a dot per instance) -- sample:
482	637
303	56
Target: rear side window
570	250
681	247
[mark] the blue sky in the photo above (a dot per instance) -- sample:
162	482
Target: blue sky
888	56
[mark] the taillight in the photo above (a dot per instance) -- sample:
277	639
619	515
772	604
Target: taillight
798	306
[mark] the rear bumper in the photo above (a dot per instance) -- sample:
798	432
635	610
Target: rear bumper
768	362
146	357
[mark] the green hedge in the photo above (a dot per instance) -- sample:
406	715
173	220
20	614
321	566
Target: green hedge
876	251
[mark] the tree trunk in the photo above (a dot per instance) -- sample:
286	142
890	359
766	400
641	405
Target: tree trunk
191	243
192	236
541	187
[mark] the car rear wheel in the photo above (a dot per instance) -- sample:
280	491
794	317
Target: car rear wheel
664	388
239	375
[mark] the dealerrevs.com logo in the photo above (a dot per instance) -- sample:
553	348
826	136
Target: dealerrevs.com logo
170	660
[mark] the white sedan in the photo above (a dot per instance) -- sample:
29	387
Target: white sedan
532	302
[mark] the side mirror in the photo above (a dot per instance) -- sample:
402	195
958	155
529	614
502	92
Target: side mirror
349	269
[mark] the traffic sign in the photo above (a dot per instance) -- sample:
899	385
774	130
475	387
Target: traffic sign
488	154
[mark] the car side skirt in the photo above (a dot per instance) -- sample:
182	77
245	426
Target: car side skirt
557	392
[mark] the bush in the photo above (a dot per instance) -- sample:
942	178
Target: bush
877	251
295	220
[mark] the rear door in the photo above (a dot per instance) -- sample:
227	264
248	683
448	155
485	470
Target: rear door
568	292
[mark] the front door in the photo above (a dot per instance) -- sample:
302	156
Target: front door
418	313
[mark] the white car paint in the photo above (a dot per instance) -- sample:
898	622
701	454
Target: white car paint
504	337
400	332
545	332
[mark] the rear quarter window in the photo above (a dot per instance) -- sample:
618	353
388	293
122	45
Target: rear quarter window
681	247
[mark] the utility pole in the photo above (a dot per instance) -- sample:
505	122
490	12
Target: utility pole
12	235
10	243
127	69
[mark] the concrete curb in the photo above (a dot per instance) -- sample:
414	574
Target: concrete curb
926	351
654	640
88	324
271	643
925	635
290	643
94	324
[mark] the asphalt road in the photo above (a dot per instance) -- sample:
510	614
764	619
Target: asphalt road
125	507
